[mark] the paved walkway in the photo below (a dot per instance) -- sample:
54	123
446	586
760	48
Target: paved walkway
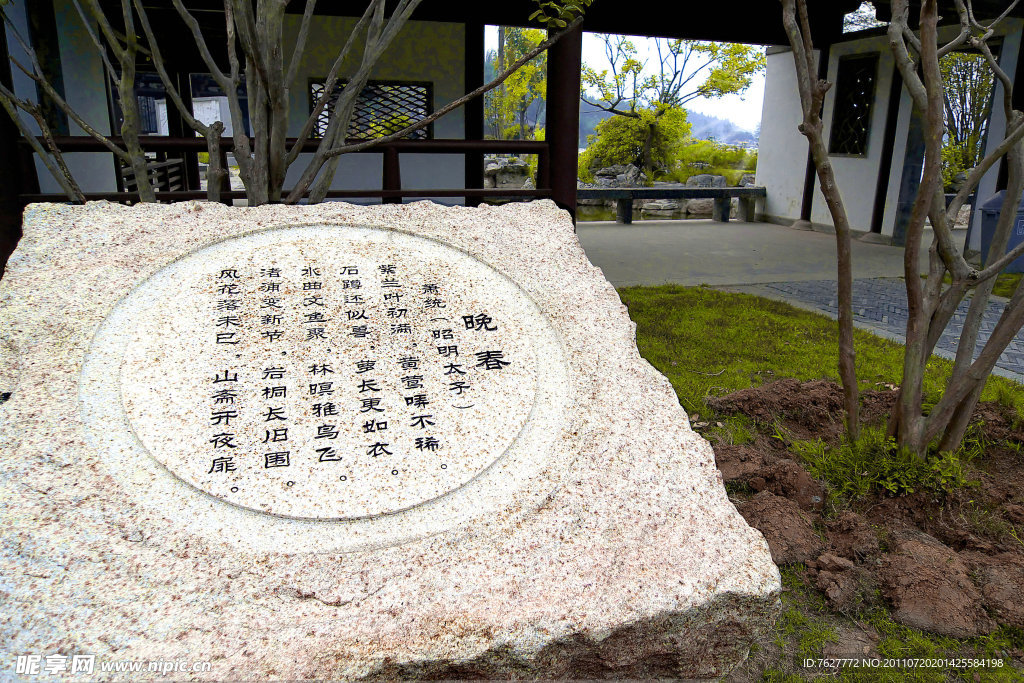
777	262
880	306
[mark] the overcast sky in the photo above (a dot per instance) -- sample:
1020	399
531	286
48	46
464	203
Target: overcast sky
744	111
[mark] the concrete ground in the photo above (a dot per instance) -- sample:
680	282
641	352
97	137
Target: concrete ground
777	262
695	252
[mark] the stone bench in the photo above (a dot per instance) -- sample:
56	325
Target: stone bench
624	197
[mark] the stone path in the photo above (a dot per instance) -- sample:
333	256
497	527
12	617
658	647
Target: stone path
880	305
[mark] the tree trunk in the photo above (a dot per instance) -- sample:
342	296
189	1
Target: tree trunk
130	132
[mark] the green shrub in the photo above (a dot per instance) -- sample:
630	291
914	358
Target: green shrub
707	156
874	464
622	140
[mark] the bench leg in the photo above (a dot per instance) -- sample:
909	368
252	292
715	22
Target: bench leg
748	209
624	211
721	209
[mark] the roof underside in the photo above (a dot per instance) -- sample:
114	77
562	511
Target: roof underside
741	21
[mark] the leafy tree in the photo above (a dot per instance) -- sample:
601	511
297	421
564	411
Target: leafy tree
966	97
685	70
647	140
507	107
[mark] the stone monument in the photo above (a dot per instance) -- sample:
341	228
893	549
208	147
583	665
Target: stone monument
350	442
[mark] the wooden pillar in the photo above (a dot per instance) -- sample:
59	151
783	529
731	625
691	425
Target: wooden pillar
176	125
474	110
888	144
1017	99
17	170
624	211
810	172
42	31
392	175
563	117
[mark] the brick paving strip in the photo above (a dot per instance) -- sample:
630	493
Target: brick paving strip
880	306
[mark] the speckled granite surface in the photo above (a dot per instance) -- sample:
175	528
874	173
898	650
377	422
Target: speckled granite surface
578	529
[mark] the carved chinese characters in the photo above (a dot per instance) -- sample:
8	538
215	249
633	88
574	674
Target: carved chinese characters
331	379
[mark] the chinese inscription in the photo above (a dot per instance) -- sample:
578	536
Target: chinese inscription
333	381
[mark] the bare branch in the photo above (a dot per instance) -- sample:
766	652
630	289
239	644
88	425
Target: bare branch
300	42
329	83
96	40
67	109
11	103
161	69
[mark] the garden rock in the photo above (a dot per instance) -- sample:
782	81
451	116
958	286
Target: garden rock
929	587
747	180
503	173
662	205
620	175
788	530
700	207
706	180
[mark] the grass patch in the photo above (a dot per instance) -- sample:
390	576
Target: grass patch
1005	286
710	343
874	464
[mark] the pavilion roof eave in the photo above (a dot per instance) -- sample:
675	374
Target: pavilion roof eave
741	21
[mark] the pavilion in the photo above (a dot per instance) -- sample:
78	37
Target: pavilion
440	56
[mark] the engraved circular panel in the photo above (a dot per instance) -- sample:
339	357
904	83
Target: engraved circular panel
330	373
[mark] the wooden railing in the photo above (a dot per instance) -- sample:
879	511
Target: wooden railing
165	176
391	189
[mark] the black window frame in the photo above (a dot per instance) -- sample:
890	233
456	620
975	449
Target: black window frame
850	133
426	133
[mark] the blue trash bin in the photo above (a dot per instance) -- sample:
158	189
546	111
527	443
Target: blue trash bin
989	217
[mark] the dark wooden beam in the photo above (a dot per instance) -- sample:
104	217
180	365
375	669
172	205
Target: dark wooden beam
910	179
1017	99
42	32
17	172
563	117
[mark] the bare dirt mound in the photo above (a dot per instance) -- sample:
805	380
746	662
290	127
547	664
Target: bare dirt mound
949	564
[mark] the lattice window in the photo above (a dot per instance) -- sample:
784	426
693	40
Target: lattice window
855	95
382	108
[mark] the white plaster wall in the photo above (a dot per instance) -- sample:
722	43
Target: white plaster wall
423	51
857	177
997	125
782	150
778	167
210	109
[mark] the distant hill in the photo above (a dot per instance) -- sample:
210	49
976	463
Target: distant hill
713	128
704	127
